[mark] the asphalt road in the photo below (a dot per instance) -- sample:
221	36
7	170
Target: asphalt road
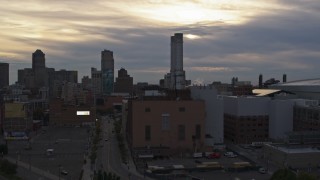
109	154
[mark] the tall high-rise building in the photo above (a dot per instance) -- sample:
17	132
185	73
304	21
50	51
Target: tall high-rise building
284	78
260	81
177	74
107	71
4	75
39	68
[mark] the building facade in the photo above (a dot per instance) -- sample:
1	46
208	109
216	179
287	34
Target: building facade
63	115
124	83
96	80
39	69
178	126
246	119
214	113
306	117
17	121
107	71
4	75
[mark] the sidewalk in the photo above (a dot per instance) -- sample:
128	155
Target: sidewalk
87	173
34	169
132	167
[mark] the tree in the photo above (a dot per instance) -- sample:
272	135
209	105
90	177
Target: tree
3	149
7	167
283	174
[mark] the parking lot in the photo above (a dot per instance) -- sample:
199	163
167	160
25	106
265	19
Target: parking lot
69	145
226	171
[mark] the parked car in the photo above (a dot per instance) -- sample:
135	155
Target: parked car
64	172
230	154
214	155
262	170
197	155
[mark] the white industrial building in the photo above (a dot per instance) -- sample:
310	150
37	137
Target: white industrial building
306	89
214	113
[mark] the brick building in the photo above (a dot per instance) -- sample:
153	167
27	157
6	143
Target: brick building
62	114
246	119
176	126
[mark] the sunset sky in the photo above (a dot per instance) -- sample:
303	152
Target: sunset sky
222	38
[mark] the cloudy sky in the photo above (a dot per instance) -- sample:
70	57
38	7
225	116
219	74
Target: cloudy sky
222	38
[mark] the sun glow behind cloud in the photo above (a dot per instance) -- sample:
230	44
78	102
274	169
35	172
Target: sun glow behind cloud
140	30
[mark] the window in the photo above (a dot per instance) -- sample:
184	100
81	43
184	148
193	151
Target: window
165	122
198	131
147	109
147	132
181	132
182	109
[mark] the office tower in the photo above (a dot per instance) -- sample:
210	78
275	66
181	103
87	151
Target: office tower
107	71
4	75
284	78
176	70
96	81
124	83
260	81
39	68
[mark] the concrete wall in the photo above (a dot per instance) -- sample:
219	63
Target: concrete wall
280	118
214	112
246	106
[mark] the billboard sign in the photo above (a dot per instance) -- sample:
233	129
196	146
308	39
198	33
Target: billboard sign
83	113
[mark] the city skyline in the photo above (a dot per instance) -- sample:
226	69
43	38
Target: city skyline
222	39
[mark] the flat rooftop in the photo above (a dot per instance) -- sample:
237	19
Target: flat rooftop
294	150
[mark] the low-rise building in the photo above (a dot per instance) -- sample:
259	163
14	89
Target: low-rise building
176	126
292	156
64	114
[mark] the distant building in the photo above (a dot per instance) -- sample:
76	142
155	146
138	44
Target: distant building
59	78
40	76
17	122
306	116
86	82
4	75
260	81
166	127
124	83
39	69
138	89
107	72
284	78
306	89
176	79
96	80
241	88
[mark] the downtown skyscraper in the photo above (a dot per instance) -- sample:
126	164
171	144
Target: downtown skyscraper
107	72
176	79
